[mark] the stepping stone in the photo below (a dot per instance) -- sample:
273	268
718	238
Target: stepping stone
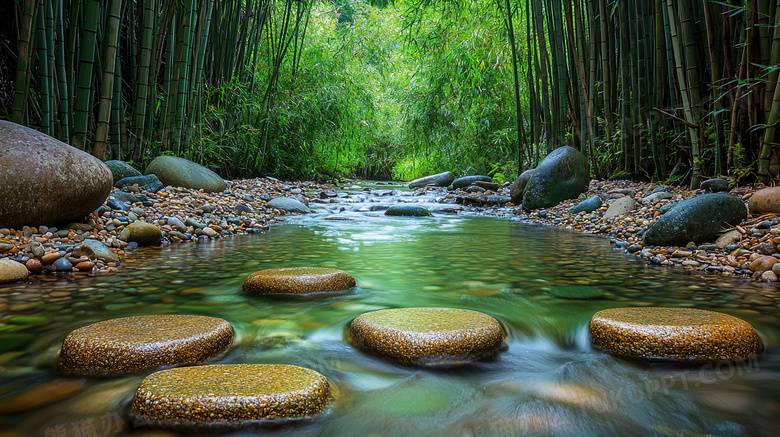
673	334
228	395
134	344
427	336
297	280
407	211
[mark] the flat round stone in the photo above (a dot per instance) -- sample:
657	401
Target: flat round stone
228	395
682	334
427	336
134	344
297	280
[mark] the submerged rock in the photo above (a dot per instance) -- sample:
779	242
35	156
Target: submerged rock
699	219
228	395
134	344
563	174
407	211
180	172
45	181
465	181
297	280
441	180
674	333
427	336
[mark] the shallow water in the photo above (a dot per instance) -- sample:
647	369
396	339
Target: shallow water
547	381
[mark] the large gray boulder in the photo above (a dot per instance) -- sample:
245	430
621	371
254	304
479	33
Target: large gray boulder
179	172
699	219
465	181
45	181
441	180
121	170
563	174
516	191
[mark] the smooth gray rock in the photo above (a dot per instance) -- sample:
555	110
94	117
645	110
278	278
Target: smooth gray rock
620	207
150	183
124	197
588	205
288	204
656	197
516	191
95	249
715	185
407	211
698	219
442	180
563	174
179	172
44	181
121	170
465	181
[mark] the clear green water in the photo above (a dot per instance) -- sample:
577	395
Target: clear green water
548	381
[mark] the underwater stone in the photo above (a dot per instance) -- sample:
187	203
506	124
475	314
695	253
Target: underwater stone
683	334
427	336
134	344
228	395
297	280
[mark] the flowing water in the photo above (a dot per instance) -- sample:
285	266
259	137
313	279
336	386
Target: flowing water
547	381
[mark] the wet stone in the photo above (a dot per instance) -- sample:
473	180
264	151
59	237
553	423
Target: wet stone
134	344
228	395
428	337
680	334
576	292
297	280
407	211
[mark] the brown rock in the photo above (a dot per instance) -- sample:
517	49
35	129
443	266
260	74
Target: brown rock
673	333
297	280
228	395
134	344
34	266
38	396
51	257
492	186
763	264
769	276
765	201
35	168
85	265
12	271
427	336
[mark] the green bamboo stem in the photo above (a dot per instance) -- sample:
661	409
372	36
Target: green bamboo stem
107	84
23	61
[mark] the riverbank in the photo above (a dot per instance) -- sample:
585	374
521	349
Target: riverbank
748	250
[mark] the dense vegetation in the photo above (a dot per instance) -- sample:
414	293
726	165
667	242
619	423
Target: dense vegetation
303	88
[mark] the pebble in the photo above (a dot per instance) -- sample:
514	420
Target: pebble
63	265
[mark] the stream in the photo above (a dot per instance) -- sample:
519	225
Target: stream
548	380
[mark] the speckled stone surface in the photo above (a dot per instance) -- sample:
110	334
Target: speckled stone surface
134	344
297	280
427	336
228	395
673	333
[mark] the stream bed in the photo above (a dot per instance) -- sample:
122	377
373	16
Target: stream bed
548	380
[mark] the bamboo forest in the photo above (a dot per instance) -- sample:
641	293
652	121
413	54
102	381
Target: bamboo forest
352	218
651	89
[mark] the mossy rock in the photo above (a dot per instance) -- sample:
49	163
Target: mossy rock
121	170
699	219
680	334
563	174
134	344
180	172
465	181
407	211
440	180
297	280
427	336
228	395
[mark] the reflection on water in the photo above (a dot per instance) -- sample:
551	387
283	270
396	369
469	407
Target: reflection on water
548	381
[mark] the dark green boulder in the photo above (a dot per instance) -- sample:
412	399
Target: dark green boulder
150	183
564	174
715	185
440	180
699	219
121	170
179	172
465	181
407	211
